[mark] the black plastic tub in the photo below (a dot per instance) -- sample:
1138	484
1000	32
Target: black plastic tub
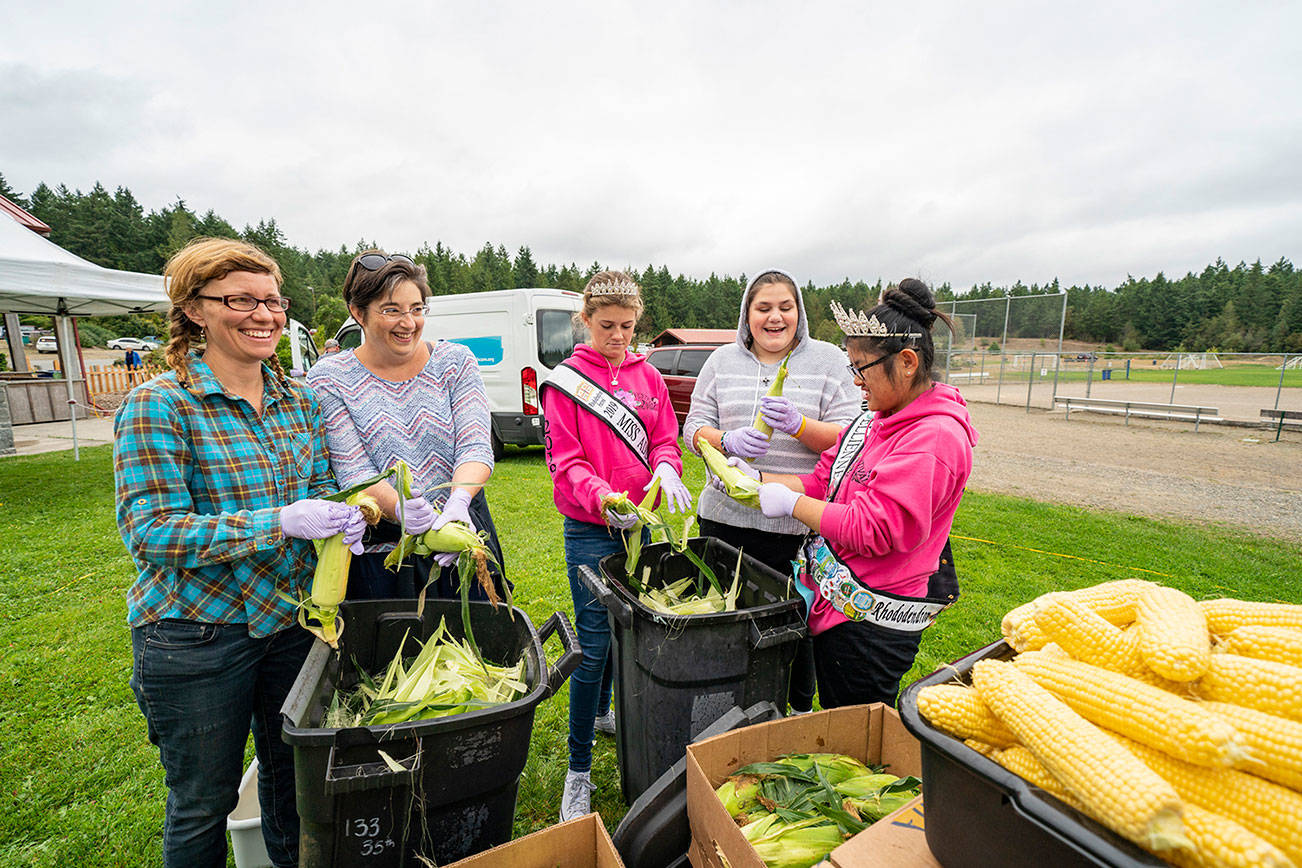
979	813
454	793
674	676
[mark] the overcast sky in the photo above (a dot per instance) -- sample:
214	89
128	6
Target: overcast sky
961	142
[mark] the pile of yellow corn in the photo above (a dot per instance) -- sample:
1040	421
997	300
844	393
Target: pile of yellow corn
1176	723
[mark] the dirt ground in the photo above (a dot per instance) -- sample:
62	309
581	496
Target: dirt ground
1236	477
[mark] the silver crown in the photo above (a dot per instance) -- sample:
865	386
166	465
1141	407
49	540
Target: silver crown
855	323
620	286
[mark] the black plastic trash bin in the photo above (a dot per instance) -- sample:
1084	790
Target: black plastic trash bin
455	792
674	676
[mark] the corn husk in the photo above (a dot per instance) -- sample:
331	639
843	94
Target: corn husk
740	487
445	678
775	391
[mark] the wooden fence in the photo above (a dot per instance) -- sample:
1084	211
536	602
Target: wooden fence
110	381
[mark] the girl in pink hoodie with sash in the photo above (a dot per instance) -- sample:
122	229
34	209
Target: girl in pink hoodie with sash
880	503
609	427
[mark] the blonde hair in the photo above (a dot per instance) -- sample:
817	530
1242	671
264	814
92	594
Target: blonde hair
186	274
593	303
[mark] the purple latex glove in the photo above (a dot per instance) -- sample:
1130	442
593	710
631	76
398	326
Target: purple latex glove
619	520
740	464
457	508
446	559
671	486
781	415
354	532
748	442
776	500
311	518
417	514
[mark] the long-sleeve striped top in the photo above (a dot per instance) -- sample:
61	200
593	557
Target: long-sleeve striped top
200	482
435	421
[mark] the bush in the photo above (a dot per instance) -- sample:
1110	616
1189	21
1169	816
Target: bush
92	335
4	362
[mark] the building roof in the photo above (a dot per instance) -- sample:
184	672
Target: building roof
717	337
23	217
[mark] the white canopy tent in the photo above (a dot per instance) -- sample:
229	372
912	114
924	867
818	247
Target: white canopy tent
38	276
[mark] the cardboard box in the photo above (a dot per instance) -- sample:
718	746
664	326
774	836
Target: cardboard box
581	843
870	733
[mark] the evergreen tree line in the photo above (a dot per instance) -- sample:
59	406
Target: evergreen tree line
1247	308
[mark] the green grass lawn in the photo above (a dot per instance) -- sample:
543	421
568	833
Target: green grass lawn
82	785
1263	376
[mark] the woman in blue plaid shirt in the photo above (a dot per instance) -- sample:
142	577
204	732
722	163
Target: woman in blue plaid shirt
219	465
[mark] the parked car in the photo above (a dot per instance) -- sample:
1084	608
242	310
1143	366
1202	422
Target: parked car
132	344
679	364
47	344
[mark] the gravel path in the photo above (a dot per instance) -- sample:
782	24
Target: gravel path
1236	477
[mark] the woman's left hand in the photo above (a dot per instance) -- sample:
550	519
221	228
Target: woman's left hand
456	509
417	514
781	415
676	494
776	500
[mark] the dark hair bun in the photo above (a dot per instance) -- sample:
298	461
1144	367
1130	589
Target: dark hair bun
913	299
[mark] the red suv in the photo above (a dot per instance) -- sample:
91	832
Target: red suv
679	364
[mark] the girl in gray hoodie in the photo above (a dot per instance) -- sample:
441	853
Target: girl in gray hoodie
818	400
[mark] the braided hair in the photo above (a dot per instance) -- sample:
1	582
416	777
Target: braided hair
186	274
905	308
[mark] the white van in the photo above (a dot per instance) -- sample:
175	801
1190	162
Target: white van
517	336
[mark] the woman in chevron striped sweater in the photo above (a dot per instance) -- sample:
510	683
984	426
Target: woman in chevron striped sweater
398	396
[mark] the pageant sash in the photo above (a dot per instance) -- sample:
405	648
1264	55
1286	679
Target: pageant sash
623	422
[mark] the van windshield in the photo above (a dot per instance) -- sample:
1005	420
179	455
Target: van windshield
557	336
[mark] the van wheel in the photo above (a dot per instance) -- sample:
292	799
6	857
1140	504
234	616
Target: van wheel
498	448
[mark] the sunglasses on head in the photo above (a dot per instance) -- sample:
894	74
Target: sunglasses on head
376	261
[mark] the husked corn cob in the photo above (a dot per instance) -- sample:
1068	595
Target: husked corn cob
960	712
1218	842
1173	637
1265	809
1141	711
1225	614
981	747
1281	644
1117	788
1113	601
1273	743
1275	688
1087	636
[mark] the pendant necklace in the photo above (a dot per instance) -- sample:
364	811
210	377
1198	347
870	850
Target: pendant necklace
614	372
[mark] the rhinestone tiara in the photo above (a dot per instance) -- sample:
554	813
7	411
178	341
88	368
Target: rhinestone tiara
614	287
855	324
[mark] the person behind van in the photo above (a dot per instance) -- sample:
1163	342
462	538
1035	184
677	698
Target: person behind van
219	466
609	428
880	504
399	396
818	400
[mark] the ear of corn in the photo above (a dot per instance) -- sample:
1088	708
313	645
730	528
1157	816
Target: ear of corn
1225	614
1281	644
1268	810
1173	637
775	391
1145	713
1117	788
1274	744
741	487
318	613
1114	601
1275	688
960	711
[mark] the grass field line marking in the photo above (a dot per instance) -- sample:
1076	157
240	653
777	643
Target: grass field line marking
1060	555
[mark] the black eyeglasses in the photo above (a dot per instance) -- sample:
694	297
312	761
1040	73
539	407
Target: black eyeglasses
376	261
858	372
246	303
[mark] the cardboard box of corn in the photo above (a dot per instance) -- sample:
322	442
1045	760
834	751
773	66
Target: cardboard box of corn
1121	724
838	785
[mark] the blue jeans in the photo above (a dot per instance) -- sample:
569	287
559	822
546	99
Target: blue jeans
202	687
585	545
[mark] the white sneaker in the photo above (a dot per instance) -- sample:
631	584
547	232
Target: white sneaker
605	723
576	801
793	712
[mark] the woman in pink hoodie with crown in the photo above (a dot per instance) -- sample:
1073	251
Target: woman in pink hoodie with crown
880	504
609	428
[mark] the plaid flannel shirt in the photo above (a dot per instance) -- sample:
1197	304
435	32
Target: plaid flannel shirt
200	482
